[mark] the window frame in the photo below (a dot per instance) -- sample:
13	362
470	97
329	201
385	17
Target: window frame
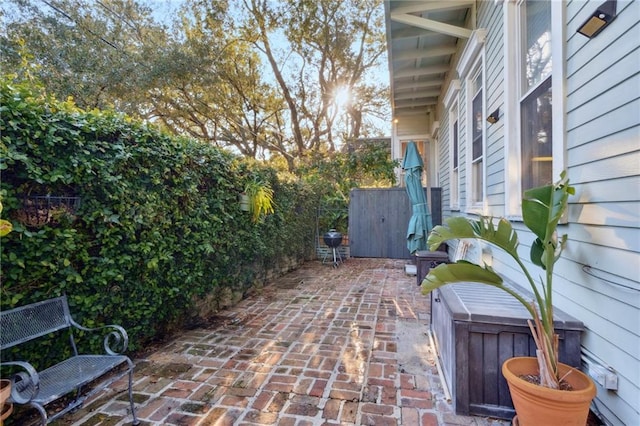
452	106
454	172
475	204
515	94
472	60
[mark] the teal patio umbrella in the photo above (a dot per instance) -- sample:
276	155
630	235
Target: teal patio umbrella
420	223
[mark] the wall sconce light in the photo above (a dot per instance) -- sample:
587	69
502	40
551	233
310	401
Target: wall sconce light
599	19
494	116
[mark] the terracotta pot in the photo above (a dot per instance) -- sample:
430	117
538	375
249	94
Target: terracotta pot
5	392
537	405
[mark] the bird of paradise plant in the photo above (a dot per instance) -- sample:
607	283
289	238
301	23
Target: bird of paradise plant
5	225
260	199
542	209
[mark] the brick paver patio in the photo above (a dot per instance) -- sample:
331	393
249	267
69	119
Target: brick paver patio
319	346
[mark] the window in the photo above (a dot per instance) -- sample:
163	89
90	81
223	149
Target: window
471	68
476	123
455	172
535	106
535	100
451	103
537	137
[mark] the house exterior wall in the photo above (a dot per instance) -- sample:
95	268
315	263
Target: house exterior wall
598	277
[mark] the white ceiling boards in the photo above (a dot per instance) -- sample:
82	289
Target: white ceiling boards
423	36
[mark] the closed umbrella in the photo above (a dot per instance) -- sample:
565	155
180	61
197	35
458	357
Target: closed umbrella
420	223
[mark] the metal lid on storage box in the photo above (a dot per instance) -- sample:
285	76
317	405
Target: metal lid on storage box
484	303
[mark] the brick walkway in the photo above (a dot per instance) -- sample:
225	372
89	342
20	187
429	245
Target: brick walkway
320	346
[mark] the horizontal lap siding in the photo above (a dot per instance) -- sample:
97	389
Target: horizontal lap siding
597	277
490	16
444	164
599	273
462	142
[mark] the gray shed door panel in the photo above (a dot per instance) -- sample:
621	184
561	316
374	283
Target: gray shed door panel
378	220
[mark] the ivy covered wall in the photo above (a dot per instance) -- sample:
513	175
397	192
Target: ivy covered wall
153	235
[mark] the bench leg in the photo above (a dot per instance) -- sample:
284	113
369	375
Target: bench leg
133	408
43	413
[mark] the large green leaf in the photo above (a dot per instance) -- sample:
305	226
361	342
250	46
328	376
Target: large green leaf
460	271
463	271
542	209
503	235
537	253
536	210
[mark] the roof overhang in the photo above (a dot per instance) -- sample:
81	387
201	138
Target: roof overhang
422	37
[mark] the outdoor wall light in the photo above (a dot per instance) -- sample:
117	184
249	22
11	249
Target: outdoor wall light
599	19
494	116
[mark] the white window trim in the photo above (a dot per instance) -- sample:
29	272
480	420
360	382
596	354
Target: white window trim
512	125
472	57
558	88
471	51
434	144
454	203
450	102
477	207
511	111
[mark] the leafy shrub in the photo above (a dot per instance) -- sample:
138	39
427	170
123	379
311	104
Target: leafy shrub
158	228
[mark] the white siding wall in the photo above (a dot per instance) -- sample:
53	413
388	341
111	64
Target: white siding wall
492	18
598	278
603	152
444	164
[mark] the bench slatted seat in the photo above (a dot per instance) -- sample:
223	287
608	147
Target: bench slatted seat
38	389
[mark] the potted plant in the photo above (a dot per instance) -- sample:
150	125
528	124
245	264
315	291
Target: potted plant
6	408
542	209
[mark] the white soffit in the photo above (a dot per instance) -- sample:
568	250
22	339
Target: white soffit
422	37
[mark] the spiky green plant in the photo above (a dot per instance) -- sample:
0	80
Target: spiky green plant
260	199
542	209
5	225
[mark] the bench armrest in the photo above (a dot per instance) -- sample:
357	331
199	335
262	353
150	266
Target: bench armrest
116	338
25	385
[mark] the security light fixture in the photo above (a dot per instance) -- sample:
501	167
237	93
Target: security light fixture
599	19
494	116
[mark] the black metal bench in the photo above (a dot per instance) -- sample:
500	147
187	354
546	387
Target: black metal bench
39	389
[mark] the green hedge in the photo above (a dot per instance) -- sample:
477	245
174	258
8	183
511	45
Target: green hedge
159	227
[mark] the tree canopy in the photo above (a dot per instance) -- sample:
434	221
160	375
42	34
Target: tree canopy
265	78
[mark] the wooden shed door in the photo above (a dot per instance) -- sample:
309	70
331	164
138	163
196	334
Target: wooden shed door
378	220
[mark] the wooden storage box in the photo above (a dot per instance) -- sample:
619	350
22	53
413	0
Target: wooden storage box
425	260
476	328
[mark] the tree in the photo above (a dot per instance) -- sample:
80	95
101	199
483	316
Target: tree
91	51
365	163
330	46
265	87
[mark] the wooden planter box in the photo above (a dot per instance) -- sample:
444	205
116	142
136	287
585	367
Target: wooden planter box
476	328
425	260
